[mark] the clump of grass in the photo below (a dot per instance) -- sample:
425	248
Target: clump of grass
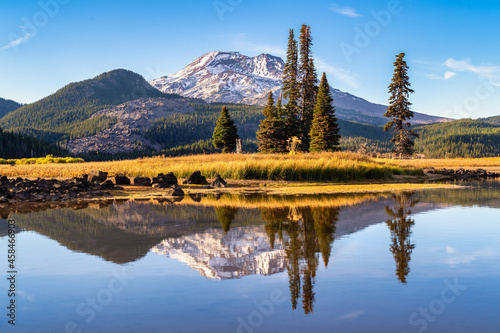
49	159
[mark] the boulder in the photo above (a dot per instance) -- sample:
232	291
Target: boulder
175	191
97	176
107	185
196	178
141	181
164	181
121	179
218	182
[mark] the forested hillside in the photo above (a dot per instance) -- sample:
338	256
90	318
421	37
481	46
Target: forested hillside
6	106
22	146
65	114
461	138
192	132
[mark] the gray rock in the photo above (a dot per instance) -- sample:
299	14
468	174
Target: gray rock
218	182
165	180
175	191
121	179
196	178
141	181
107	185
97	176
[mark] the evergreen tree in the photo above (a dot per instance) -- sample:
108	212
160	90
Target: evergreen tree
225	132
291	89
308	84
399	109
272	134
324	134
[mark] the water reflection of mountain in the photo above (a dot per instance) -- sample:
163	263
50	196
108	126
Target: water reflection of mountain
218	255
233	236
125	231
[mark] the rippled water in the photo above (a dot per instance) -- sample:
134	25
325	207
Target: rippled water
402	262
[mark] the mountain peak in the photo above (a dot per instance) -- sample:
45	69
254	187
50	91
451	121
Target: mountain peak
228	77
231	77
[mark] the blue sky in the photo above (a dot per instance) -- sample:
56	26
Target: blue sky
451	47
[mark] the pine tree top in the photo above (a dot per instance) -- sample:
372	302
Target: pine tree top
324	99
270	109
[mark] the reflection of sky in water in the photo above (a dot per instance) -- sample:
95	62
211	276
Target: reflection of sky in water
358	292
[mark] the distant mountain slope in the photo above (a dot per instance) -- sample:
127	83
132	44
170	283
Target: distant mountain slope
492	120
132	119
230	77
7	105
66	113
461	138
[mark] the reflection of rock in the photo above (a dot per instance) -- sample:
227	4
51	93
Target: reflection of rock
242	251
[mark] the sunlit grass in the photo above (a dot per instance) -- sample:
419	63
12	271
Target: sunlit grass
49	159
338	166
443	162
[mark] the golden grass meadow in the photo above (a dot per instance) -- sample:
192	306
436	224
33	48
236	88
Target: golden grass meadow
313	167
338	166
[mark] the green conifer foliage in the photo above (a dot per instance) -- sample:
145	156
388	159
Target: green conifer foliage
324	134
225	132
308	84
399	109
271	135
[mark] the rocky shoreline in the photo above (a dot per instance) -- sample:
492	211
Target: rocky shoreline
97	184
93	185
460	174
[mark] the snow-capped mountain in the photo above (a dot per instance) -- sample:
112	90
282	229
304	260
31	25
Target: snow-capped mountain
227	77
230	77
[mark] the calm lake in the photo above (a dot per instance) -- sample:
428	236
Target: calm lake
403	262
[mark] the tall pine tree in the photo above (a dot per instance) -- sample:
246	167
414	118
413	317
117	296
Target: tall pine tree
225	132
399	109
271	135
291	89
308	84
324	134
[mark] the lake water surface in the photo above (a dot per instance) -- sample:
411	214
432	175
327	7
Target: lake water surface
403	262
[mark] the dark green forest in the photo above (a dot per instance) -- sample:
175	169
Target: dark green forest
14	146
461	138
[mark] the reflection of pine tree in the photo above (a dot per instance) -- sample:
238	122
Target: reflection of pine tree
324	223
310	230
226	215
293	250
400	227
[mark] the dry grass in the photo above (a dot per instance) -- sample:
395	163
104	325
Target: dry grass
302	167
489	162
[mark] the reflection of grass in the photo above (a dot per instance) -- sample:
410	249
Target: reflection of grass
258	201
356	188
302	167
